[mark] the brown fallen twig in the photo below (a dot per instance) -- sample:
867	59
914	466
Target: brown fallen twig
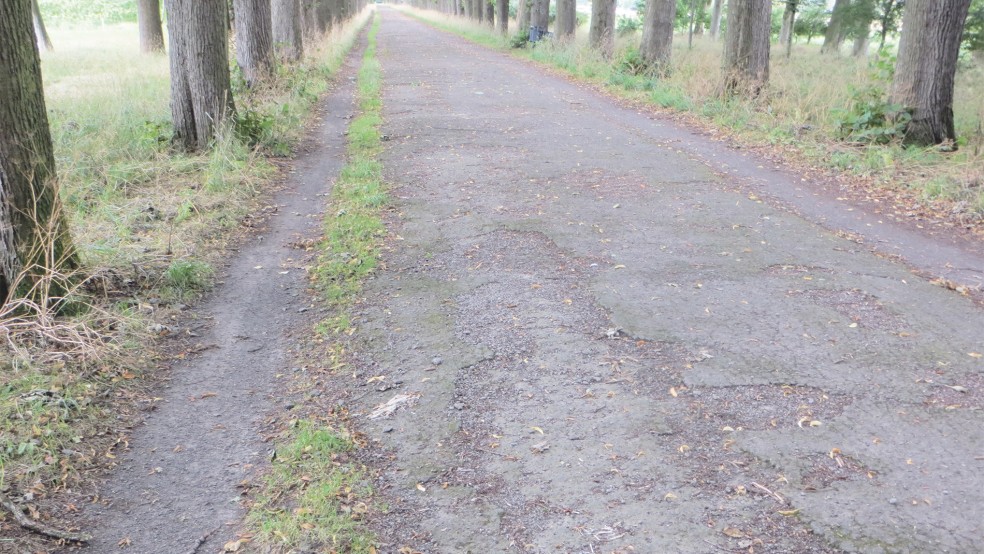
774	495
37	526
202	539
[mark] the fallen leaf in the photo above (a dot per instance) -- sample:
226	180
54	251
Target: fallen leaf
619	266
537	429
421	487
975	354
673	392
733	533
232	546
207	395
788	512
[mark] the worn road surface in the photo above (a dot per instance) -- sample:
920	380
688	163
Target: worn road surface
614	335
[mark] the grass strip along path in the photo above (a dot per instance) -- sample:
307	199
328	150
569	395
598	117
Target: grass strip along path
316	493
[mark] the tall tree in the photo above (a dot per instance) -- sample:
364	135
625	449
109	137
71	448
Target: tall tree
888	15
33	233
788	22
254	39
657	34
566	19
601	34
524	15
149	20
927	63
40	31
288	39
490	13
716	9
837	28
746	46
502	15
201	97
540	14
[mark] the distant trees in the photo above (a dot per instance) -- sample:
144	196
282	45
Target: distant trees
149	23
746	46
716	8
502	16
927	63
34	237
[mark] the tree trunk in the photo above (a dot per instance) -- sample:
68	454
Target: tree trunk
540	14
149	20
33	232
601	34
788	16
478	10
716	18
254	40
288	40
927	63
502	15
788	22
40	32
860	48
490	13
746	46
837	28
201	98
657	34
566	19
524	14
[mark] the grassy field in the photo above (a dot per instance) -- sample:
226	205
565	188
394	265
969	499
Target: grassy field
150	223
800	113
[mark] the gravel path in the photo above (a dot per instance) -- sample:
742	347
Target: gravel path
608	341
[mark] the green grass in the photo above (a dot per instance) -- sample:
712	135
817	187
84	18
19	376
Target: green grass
799	110
353	227
314	496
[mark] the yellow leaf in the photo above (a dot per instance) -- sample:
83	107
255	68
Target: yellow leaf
619	266
537	429
669	496
975	354
683	449
673	392
733	533
788	512
421	487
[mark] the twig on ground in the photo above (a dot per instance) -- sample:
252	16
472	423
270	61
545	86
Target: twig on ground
772	494
202	539
37	526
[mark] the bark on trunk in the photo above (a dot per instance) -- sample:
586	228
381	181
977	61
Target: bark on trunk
566	19
788	22
746	46
254	40
201	98
40	31
927	63
490	13
657	34
31	221
837	28
860	48
502	16
524	13
716	18
788	14
288	40
601	34
149	20
540	14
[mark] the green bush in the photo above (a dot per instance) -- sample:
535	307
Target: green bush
627	25
871	118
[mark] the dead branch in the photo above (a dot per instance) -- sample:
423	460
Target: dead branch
37	526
